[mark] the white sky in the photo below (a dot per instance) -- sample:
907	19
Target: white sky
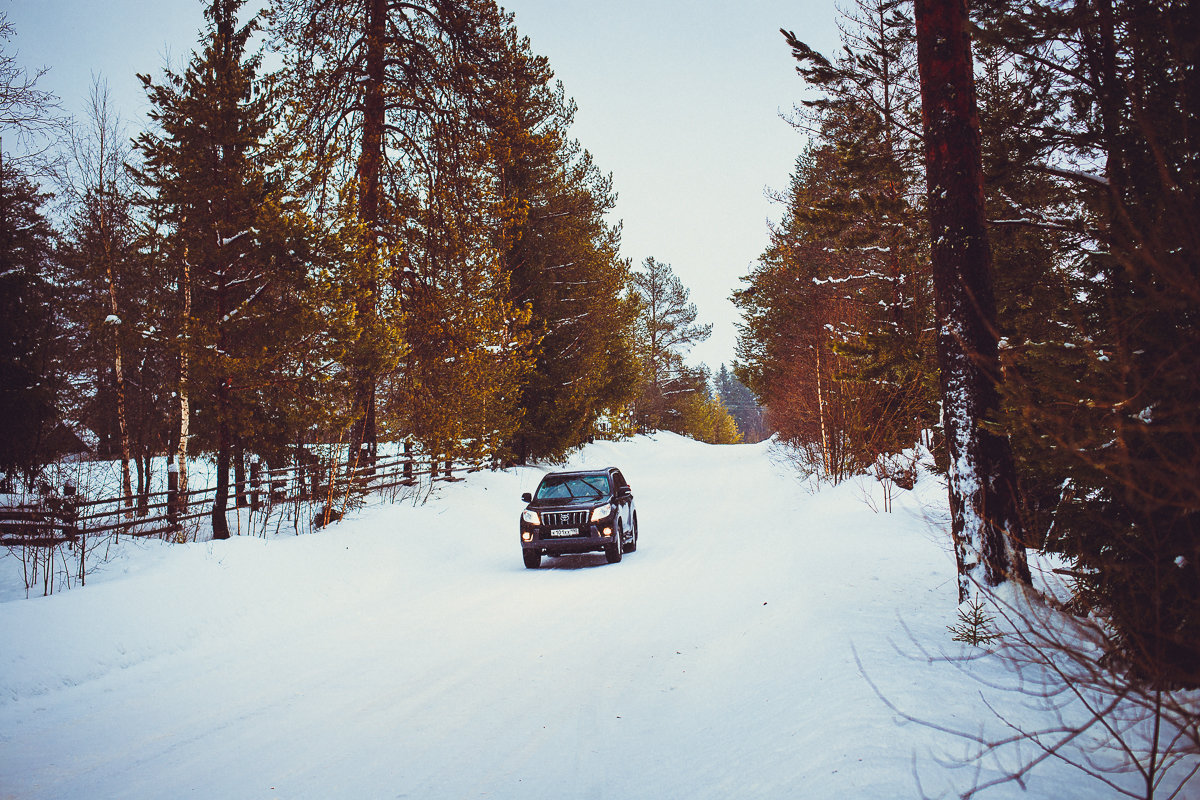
680	101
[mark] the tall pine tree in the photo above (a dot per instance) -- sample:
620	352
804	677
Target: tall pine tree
561	258
31	329
215	174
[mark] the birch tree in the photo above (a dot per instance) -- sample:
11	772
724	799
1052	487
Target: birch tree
31	120
102	257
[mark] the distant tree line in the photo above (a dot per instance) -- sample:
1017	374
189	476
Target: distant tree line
392	236
1089	156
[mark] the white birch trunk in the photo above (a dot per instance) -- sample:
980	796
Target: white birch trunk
185	411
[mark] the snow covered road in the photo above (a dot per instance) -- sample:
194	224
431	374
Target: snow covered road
408	653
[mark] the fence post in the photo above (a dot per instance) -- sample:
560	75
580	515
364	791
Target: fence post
70	525
255	485
239	478
173	494
408	461
449	468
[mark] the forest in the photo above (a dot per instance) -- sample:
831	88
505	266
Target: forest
391	236
1062	343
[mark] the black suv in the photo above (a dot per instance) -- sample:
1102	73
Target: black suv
579	512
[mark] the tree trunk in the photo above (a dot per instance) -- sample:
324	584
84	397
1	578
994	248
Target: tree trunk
826	455
144	460
220	524
185	410
986	529
369	165
118	371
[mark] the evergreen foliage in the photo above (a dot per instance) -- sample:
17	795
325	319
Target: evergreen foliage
561	258
705	418
230	214
1105	390
384	99
836	339
395	233
975	625
737	398
1088	155
666	331
32	380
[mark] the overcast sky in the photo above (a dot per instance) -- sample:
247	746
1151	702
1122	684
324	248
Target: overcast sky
680	101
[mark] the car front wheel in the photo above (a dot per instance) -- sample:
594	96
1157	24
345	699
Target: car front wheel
533	558
613	551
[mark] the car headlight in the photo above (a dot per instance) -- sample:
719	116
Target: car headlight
531	517
601	512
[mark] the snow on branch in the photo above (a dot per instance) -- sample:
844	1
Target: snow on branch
243	305
1075	175
865	276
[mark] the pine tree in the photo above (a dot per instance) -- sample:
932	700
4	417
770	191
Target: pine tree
743	408
466	349
372	85
561	258
31	329
31	383
666	331
214	173
842	300
1122	155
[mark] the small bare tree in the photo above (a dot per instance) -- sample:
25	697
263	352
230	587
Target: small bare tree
31	120
1136	738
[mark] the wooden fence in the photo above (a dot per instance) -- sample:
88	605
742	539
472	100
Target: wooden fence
63	516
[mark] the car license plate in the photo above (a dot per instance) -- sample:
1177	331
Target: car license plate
564	532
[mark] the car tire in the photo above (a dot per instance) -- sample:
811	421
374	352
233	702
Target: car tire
533	558
633	541
612	552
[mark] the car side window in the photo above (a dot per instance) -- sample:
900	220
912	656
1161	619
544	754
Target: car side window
619	480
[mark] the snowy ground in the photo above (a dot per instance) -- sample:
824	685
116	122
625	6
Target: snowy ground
408	653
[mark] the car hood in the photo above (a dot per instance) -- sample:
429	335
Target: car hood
566	502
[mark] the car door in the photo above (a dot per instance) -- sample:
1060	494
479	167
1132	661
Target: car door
624	503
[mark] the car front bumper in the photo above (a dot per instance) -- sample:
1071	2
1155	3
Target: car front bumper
590	540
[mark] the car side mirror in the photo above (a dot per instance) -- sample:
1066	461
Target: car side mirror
625	491
526	498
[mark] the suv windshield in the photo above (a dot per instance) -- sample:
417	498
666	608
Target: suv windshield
565	487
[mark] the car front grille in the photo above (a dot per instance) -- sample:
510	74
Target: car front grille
564	519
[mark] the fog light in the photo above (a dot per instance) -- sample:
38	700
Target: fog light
608	531
527	536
